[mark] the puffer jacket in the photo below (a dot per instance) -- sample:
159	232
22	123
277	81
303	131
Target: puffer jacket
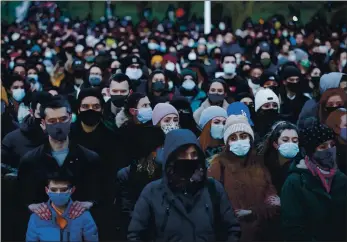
161	216
82	228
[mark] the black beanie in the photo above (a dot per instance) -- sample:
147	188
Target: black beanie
315	135
90	92
290	71
268	76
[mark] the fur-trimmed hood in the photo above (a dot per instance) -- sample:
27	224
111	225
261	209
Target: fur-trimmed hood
121	118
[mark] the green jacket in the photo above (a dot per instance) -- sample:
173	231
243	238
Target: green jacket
308	212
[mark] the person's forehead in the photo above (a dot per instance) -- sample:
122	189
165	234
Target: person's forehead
90	100
264	54
216	85
143	100
219	118
171	115
246	99
95	69
18	83
119	85
19	68
58	184
229	58
289	133
57	112
159	75
190	149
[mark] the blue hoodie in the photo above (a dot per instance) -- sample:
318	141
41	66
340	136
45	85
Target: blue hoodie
158	210
82	228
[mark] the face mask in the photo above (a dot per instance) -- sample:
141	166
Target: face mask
229	68
325	158
293	87
90	117
188	84
332	109
11	65
170	66
59	199
217	131
240	147
36	86
118	100
169	127
171	85
90	59
285	34
221	26
192	56
163	49
94	80
343	134
292	57
48	54
106	98
315	80
58	131
144	114
288	150
35	77
153	46
133	73
158	86
18	94
216	98
343	62
265	62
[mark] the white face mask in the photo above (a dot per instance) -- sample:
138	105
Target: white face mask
106	98
192	56
229	68
240	147
188	84
18	94
169	127
217	131
170	66
133	73
170	85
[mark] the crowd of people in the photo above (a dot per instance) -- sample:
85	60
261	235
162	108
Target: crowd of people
154	131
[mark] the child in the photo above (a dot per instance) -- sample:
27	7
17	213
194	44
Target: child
60	227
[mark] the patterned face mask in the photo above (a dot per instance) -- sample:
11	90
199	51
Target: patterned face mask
169	127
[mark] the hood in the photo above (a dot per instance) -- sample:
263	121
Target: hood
330	80
121	118
29	126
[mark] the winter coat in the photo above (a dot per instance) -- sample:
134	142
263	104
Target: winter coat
197	100
205	105
308	112
8	124
235	86
309	213
157	206
17	143
291	108
82	228
247	187
34	166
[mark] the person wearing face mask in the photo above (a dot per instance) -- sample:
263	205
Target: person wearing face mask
137	111
57	153
212	121
19	97
254	77
246	181
279	149
209	64
33	79
143	169
190	89
157	88
292	98
184	194
215	97
247	99
313	77
185	112
132	67
337	121
166	116
230	45
235	84
266	112
313	198
266	61
119	90
331	100
95	77
89	57
270	80
156	62
29	135
60	187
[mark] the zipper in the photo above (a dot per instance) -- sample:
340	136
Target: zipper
167	213
61	235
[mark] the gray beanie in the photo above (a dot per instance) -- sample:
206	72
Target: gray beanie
330	80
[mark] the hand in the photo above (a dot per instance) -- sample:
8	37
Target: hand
78	208
273	200
41	210
242	212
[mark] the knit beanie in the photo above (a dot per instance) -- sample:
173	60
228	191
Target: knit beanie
265	95
156	58
90	92
330	80
290	71
161	110
237	123
210	113
189	72
313	136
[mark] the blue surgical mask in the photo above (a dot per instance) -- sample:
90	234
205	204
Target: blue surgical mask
163	49
11	65
33	76
240	147
153	46
18	94
94	80
217	131
59	199
288	150
188	84
144	114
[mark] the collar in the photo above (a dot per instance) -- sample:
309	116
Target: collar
48	150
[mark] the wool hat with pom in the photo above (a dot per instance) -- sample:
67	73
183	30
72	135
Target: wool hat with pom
237	123
161	110
210	113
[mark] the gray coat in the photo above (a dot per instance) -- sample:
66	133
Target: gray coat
158	210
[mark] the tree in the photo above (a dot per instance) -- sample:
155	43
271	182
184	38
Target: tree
239	10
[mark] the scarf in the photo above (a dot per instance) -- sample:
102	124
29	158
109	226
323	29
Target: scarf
61	221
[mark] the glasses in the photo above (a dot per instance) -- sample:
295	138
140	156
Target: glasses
63	119
95	106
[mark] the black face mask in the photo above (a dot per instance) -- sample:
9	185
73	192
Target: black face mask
114	70
293	87
315	80
255	80
90	117
78	73
158	86
275	89
265	119
216	98
69	50
118	100
325	158
332	109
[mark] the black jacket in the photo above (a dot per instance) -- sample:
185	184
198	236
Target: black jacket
290	109
84	164
18	142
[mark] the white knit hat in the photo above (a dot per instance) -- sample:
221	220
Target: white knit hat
265	95
237	123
